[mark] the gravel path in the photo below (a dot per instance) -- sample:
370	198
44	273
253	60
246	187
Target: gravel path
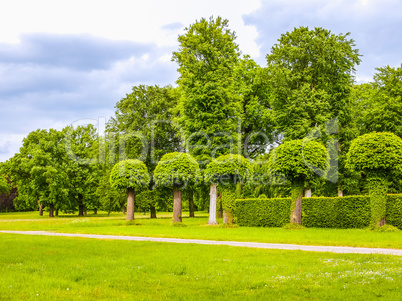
332	249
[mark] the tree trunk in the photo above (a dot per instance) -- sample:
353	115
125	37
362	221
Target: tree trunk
51	210
40	207
177	205
191	203
228	217
340	193
307	193
220	212
80	206
96	211
57	212
153	211
212	205
297	195
130	204
123	209
86	212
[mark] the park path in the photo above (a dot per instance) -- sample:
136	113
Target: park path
332	249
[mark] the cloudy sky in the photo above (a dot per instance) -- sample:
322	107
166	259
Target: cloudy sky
66	62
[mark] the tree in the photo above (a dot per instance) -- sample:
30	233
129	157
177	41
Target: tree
39	171
4	188
210	108
378	157
227	171
142	127
177	170
129	174
311	76
82	167
300	161
257	127
381	102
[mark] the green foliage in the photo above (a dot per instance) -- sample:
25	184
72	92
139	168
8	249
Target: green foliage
257	126
129	174
375	154
142	125
386	228
4	188
262	212
378	157
311	76
210	106
299	160
176	169
336	212
381	106
393	214
321	212
227	170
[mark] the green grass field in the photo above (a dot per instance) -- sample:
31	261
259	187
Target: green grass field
54	268
197	228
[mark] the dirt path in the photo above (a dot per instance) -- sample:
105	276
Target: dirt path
331	249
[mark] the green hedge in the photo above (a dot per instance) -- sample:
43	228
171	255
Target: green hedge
338	212
393	215
320	212
262	212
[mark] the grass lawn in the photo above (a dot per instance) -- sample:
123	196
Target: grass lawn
52	268
197	228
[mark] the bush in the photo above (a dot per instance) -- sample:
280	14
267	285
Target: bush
262	212
337	212
386	228
321	212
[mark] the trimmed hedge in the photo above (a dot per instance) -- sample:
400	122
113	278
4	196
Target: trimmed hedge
321	212
338	212
262	212
393	215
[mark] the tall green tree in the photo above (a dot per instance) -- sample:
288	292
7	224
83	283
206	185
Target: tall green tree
257	127
142	127
4	188
39	171
82	165
210	108
311	75
380	102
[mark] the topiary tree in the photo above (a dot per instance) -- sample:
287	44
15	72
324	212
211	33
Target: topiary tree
300	161
129	174
378	157
176	170
227	171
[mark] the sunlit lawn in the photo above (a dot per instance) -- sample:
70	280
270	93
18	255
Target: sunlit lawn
195	228
54	268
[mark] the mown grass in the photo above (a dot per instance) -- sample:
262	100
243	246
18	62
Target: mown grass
54	268
197	228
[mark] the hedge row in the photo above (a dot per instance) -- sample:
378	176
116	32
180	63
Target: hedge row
320	212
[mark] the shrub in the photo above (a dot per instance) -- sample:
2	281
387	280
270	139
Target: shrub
321	212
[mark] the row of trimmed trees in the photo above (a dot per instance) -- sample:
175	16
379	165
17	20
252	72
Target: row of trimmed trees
377	156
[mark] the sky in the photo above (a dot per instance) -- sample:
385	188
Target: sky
69	62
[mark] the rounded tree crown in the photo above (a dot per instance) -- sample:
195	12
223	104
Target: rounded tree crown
176	169
299	160
229	166
129	174
375	152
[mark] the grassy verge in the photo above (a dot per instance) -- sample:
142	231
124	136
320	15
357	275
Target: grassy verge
197	228
52	268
